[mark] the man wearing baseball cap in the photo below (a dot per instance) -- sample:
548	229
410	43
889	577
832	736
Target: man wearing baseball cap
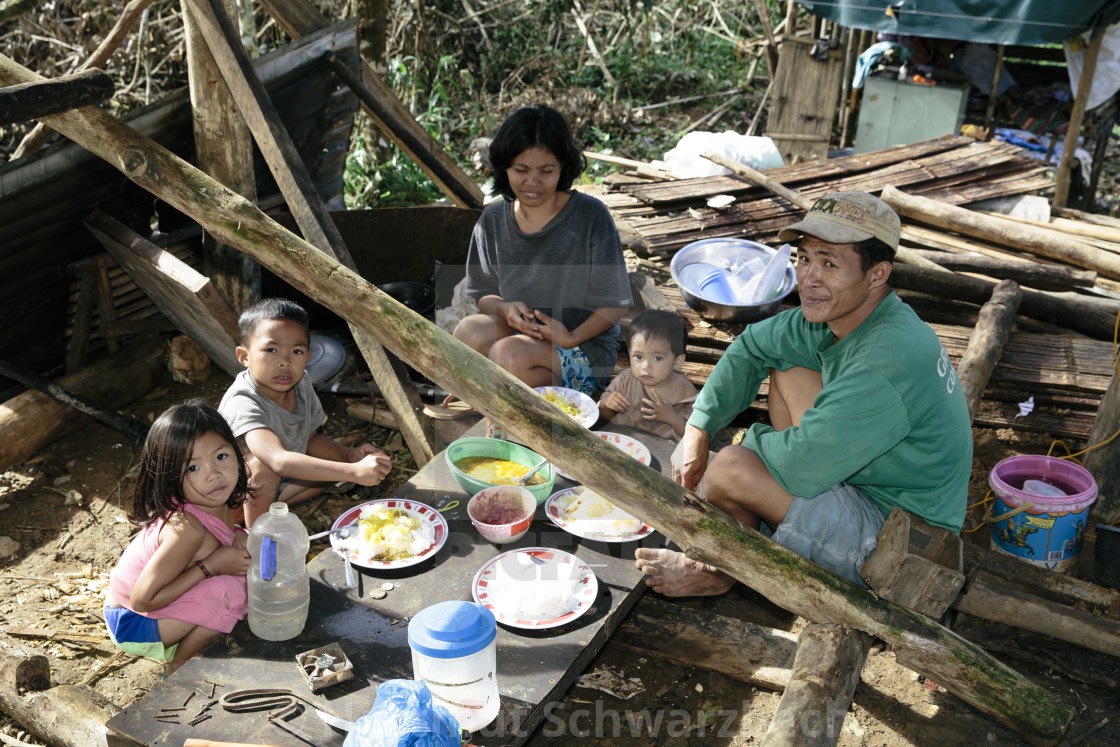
865	409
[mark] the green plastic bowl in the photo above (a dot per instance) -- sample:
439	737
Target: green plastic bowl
496	448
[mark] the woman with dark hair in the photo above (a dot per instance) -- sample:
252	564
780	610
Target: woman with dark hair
545	264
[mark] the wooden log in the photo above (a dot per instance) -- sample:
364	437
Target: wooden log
902	254
298	18
985	346
1072	660
737	648
31	420
64	715
825	673
378	416
184	296
986	598
129	15
1073	132
1074	313
224	149
705	533
1034	274
33	100
1040	241
307	208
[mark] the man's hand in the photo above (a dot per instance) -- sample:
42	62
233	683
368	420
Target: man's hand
614	401
694	458
554	331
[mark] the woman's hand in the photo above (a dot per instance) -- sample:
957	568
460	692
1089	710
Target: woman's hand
520	318
554	331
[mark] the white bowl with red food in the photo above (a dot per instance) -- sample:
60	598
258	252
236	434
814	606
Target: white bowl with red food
502	513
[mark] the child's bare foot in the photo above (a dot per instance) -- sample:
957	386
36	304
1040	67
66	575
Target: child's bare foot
674	575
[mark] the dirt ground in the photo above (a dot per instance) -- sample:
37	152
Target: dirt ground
66	508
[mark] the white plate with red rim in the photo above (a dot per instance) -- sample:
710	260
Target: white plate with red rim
627	444
488	585
419	511
590	529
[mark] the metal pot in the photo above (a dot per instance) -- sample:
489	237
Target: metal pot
725	253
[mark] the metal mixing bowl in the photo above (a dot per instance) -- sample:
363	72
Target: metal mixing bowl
725	253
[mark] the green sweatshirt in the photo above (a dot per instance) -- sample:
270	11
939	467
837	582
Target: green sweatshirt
890	420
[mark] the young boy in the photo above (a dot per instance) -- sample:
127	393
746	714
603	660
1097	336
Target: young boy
277	413
651	395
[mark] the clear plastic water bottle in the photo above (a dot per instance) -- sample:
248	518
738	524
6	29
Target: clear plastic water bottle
279	587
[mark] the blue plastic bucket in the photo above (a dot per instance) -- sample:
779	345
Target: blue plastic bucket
1043	530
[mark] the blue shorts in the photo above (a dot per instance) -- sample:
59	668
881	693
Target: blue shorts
576	370
135	634
837	530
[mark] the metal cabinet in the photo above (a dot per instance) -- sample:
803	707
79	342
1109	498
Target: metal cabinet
897	112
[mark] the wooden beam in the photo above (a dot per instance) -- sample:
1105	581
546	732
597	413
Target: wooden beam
705	533
184	296
129	15
1076	116
307	207
298	17
825	673
223	148
33	100
985	346
737	648
1103	461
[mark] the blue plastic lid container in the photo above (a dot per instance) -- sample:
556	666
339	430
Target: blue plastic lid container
450	630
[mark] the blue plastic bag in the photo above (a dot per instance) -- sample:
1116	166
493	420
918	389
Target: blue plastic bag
403	716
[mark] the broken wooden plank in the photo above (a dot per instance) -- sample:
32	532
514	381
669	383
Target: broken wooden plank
985	347
224	150
308	209
33	100
298	18
184	296
1104	459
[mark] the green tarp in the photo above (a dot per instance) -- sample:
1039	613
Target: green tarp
991	21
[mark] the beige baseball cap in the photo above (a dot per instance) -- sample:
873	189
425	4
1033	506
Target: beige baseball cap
847	218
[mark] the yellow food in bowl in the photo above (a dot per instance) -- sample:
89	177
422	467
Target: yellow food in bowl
566	407
496	471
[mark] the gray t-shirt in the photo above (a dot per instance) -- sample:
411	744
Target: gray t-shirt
246	409
568	269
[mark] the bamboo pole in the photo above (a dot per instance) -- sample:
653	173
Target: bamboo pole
1061	189
1040	241
705	533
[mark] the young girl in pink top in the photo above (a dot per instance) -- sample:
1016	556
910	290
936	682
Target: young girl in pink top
181	581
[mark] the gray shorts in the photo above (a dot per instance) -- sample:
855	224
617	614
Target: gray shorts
836	530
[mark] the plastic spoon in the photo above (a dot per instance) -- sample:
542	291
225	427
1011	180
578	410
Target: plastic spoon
525	477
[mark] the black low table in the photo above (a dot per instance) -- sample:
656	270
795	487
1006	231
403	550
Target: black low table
535	667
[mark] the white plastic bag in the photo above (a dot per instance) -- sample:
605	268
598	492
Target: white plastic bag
1106	75
685	161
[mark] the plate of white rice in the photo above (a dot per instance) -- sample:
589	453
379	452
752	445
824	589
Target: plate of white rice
390	533
535	587
583	512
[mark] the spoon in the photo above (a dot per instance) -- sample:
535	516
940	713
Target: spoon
525	477
343	532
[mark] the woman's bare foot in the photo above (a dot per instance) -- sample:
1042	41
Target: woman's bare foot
674	575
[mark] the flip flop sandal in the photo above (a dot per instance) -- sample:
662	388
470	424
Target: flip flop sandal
449	410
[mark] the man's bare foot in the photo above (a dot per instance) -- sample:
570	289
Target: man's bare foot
674	575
